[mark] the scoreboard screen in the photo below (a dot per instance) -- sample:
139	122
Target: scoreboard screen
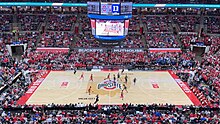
110	27
93	7
109	21
126	8
109	8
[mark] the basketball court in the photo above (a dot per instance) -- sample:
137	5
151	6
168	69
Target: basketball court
64	87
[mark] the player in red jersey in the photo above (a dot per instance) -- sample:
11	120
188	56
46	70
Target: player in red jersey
82	76
108	77
91	78
89	90
122	95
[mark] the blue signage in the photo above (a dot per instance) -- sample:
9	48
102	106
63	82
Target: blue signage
109	37
115	9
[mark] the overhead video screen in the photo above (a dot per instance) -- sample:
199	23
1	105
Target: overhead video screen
110	27
93	7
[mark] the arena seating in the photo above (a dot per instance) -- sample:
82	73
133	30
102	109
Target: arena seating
132	41
30	22
86	40
212	24
186	23
161	40
47	60
202	75
157	23
205	82
186	40
29	37
56	39
84	22
5	24
212	12
60	22
7	65
134	24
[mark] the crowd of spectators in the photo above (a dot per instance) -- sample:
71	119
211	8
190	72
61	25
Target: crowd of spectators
61	22
204	80
187	23
215	42
187	39
132	41
85	23
30	22
7	63
174	11
126	114
161	40
205	40
5	23
134	25
6	38
47	60
56	39
29	38
85	40
213	24
212	12
157	23
144	59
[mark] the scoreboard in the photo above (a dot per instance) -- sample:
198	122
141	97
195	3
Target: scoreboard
106	8
110	9
109	20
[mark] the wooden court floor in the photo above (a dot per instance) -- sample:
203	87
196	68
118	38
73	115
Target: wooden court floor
63	87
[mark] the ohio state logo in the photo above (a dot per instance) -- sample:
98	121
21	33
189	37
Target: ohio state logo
109	85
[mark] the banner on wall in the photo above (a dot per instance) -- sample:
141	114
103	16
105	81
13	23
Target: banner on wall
165	50
90	50
127	50
52	49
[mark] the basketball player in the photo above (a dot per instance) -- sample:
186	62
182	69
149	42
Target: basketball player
125	88
122	71
122	95
114	78
134	81
96	99
118	76
108	77
82	76
89	90
74	71
126	78
91	78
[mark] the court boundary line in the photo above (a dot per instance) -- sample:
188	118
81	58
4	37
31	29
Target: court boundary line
185	87
32	88
22	100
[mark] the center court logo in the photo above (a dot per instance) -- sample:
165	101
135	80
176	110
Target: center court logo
109	85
